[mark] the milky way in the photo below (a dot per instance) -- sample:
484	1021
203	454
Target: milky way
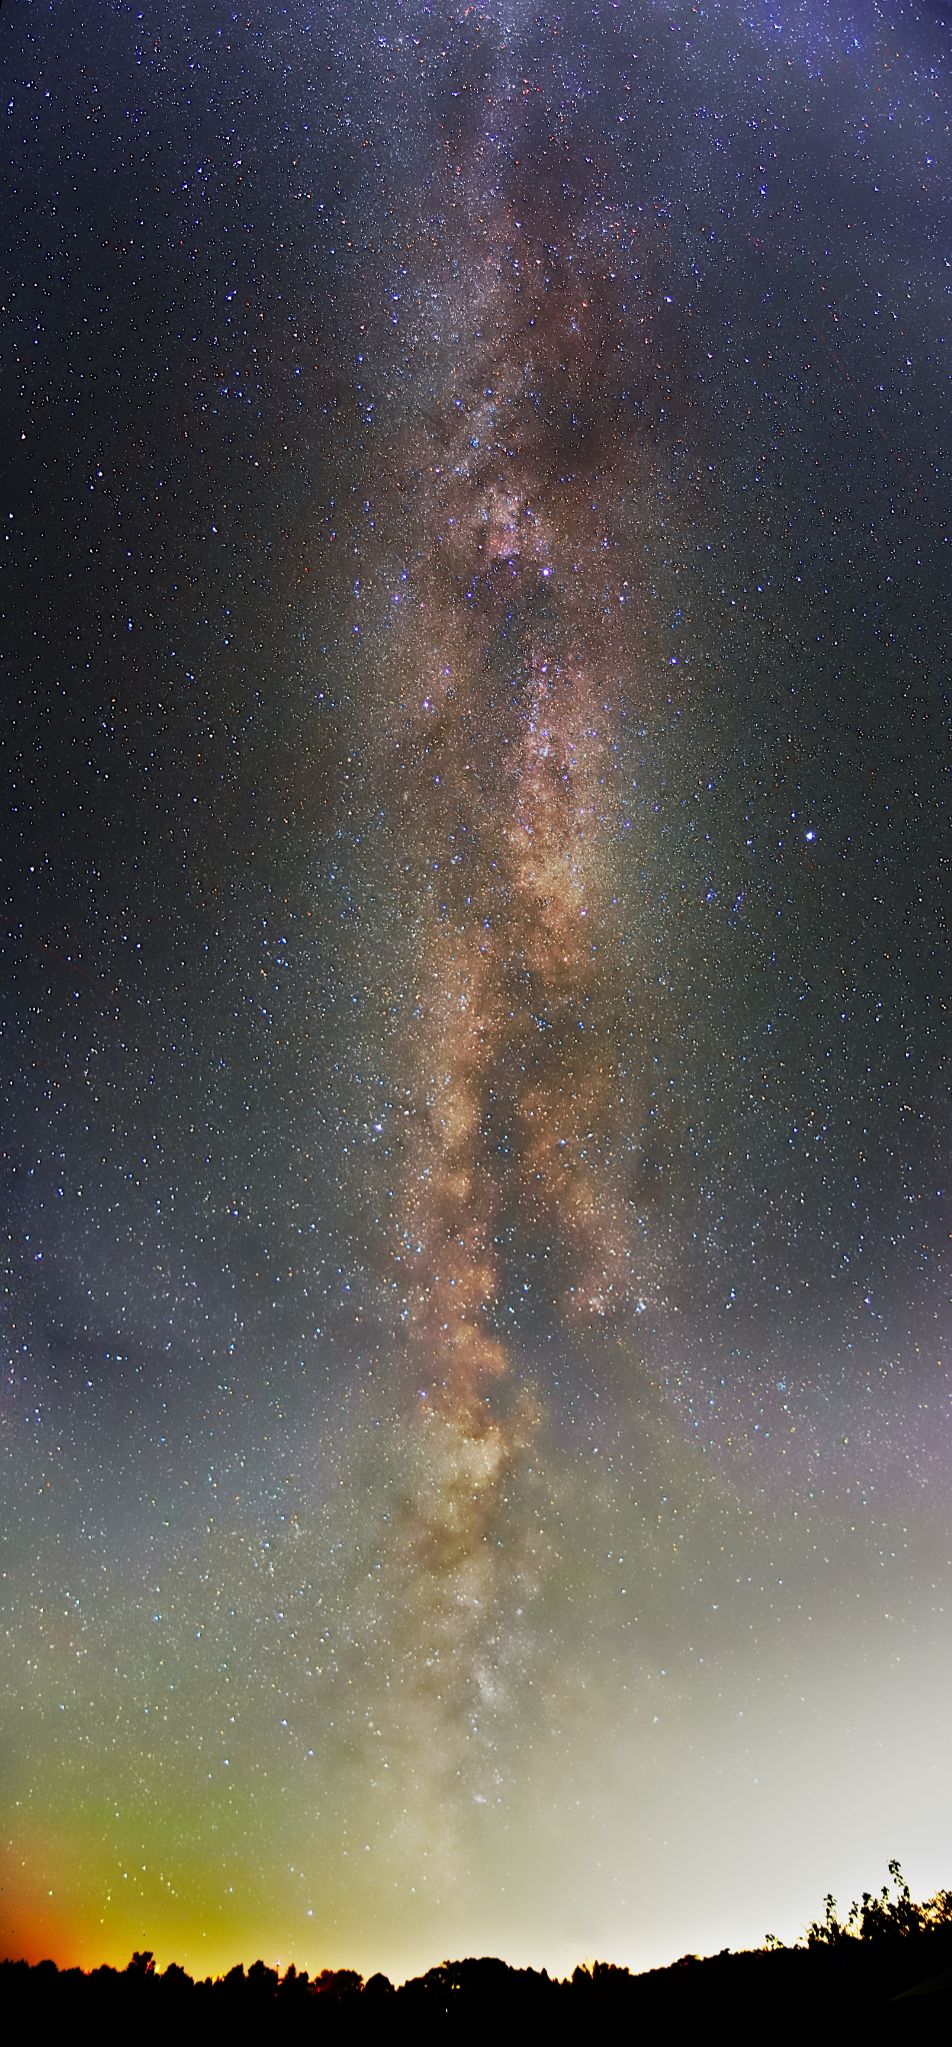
518	655
477	1400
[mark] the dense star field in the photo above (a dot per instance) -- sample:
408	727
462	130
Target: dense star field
476	1414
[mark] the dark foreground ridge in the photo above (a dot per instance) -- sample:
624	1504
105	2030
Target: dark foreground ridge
889	1956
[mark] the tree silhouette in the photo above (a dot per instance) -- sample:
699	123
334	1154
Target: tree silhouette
887	1947
878	1915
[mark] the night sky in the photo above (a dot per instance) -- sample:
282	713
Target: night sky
476	1411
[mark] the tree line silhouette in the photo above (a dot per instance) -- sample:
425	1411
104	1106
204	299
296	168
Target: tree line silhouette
888	1948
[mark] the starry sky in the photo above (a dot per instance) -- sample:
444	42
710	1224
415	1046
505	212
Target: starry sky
476	1409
